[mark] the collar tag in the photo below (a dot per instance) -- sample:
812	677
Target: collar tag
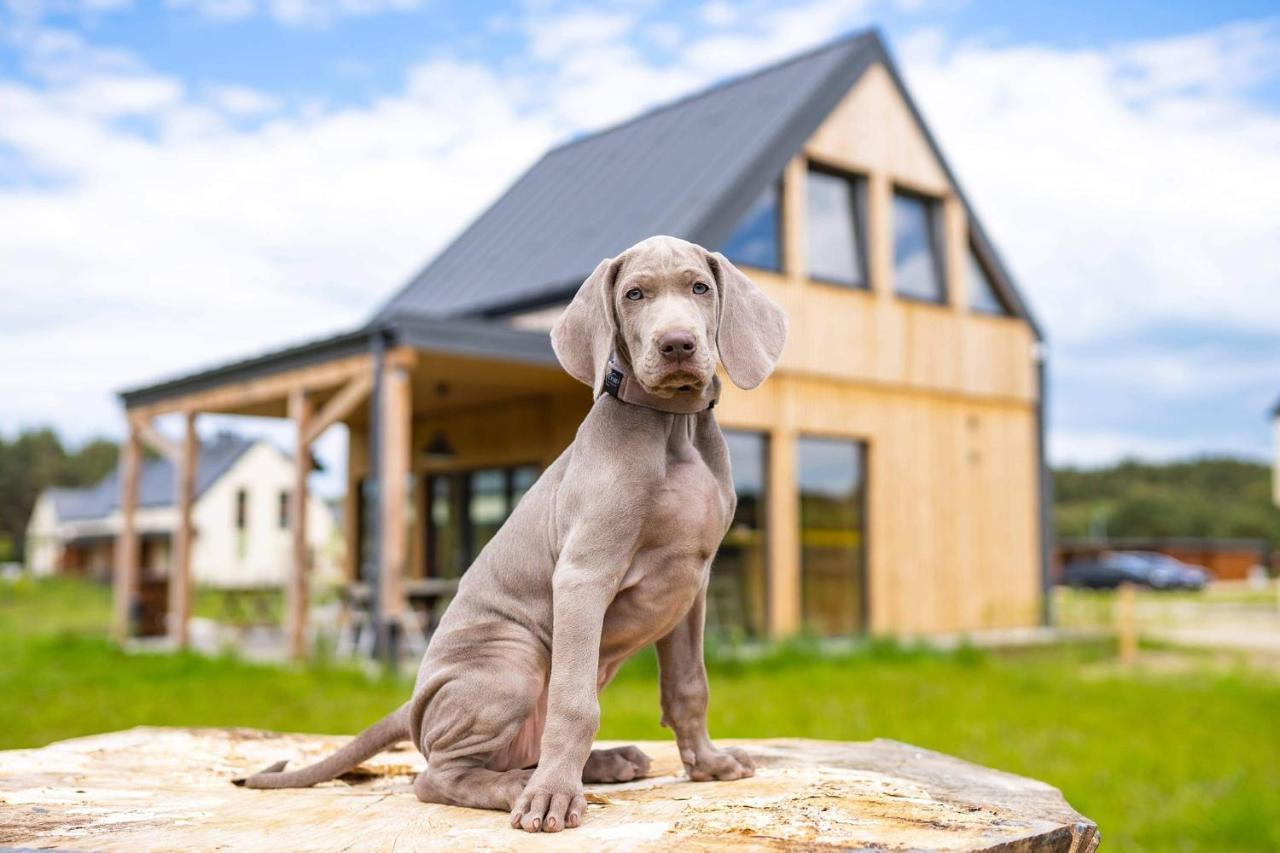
613	382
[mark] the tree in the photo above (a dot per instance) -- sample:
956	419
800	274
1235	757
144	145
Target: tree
32	462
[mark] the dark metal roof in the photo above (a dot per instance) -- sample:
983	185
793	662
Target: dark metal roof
156	480
689	169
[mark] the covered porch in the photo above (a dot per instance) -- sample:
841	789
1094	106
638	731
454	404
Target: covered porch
448	424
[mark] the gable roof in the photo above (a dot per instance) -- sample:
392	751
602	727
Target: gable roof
156	480
689	169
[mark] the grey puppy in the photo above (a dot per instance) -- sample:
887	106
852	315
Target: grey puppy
609	551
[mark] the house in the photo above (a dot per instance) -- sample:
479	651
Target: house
891	472
239	518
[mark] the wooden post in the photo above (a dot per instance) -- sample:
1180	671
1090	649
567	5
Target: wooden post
955	251
396	425
125	577
795	249
783	536
300	568
1127	622
180	578
880	233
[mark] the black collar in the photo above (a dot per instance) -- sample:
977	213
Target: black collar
621	385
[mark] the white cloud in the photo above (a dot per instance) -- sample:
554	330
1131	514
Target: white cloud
1108	180
1092	448
293	13
243	101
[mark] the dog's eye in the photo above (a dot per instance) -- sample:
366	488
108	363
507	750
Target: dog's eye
635	294
700	287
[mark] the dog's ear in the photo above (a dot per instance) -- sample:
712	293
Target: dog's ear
752	329
583	336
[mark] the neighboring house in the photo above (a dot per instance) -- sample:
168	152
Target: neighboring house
890	474
240	521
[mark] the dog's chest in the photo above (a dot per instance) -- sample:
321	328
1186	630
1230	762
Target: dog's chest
680	530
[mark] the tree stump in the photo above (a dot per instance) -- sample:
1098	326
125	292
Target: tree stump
170	789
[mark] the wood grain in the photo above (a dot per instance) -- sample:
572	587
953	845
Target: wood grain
170	789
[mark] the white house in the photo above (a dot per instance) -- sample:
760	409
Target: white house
240	517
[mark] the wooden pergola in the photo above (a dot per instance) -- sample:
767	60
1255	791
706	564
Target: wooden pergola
365	379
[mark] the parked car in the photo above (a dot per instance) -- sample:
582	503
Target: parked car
1109	570
1186	575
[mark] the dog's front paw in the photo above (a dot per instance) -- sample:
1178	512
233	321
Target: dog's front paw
549	806
718	764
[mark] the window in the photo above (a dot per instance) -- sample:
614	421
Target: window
283	519
832	529
242	509
736	595
917	267
464	511
755	242
834	226
983	296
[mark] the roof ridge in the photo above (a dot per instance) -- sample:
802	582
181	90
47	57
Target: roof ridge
714	88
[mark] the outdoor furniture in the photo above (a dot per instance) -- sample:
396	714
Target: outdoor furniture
427	599
151	788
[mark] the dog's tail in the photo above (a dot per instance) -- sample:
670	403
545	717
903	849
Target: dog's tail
368	743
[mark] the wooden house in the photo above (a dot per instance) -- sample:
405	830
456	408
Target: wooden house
890	473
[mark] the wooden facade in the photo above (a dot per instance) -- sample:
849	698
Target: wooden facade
943	401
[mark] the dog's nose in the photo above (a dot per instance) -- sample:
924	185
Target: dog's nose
677	346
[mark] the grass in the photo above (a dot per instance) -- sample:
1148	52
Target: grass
1179	754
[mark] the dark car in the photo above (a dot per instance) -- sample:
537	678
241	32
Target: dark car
1186	576
1109	570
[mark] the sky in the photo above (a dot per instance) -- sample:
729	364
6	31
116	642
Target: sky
187	182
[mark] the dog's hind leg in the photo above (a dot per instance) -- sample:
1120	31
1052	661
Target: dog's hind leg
466	782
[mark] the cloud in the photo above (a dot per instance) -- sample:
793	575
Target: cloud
1107	178
292	13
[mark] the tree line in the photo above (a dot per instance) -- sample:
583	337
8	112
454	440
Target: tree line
1209	497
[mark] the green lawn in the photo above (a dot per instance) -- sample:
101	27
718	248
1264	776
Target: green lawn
1182	754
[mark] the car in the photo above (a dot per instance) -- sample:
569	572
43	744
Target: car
1187	576
1113	568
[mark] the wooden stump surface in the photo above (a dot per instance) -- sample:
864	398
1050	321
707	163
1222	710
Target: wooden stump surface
170	789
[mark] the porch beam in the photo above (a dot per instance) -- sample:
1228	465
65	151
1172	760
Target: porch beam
300	412
340	405
278	386
156	440
125	576
180	578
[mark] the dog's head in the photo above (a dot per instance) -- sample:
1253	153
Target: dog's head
669	309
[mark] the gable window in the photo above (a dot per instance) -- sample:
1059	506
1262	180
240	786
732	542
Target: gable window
834	207
242	509
917	255
983	296
756	241
284	510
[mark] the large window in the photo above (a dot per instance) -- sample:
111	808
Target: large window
917	255
736	595
465	509
983	296
832	484
756	241
834	219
